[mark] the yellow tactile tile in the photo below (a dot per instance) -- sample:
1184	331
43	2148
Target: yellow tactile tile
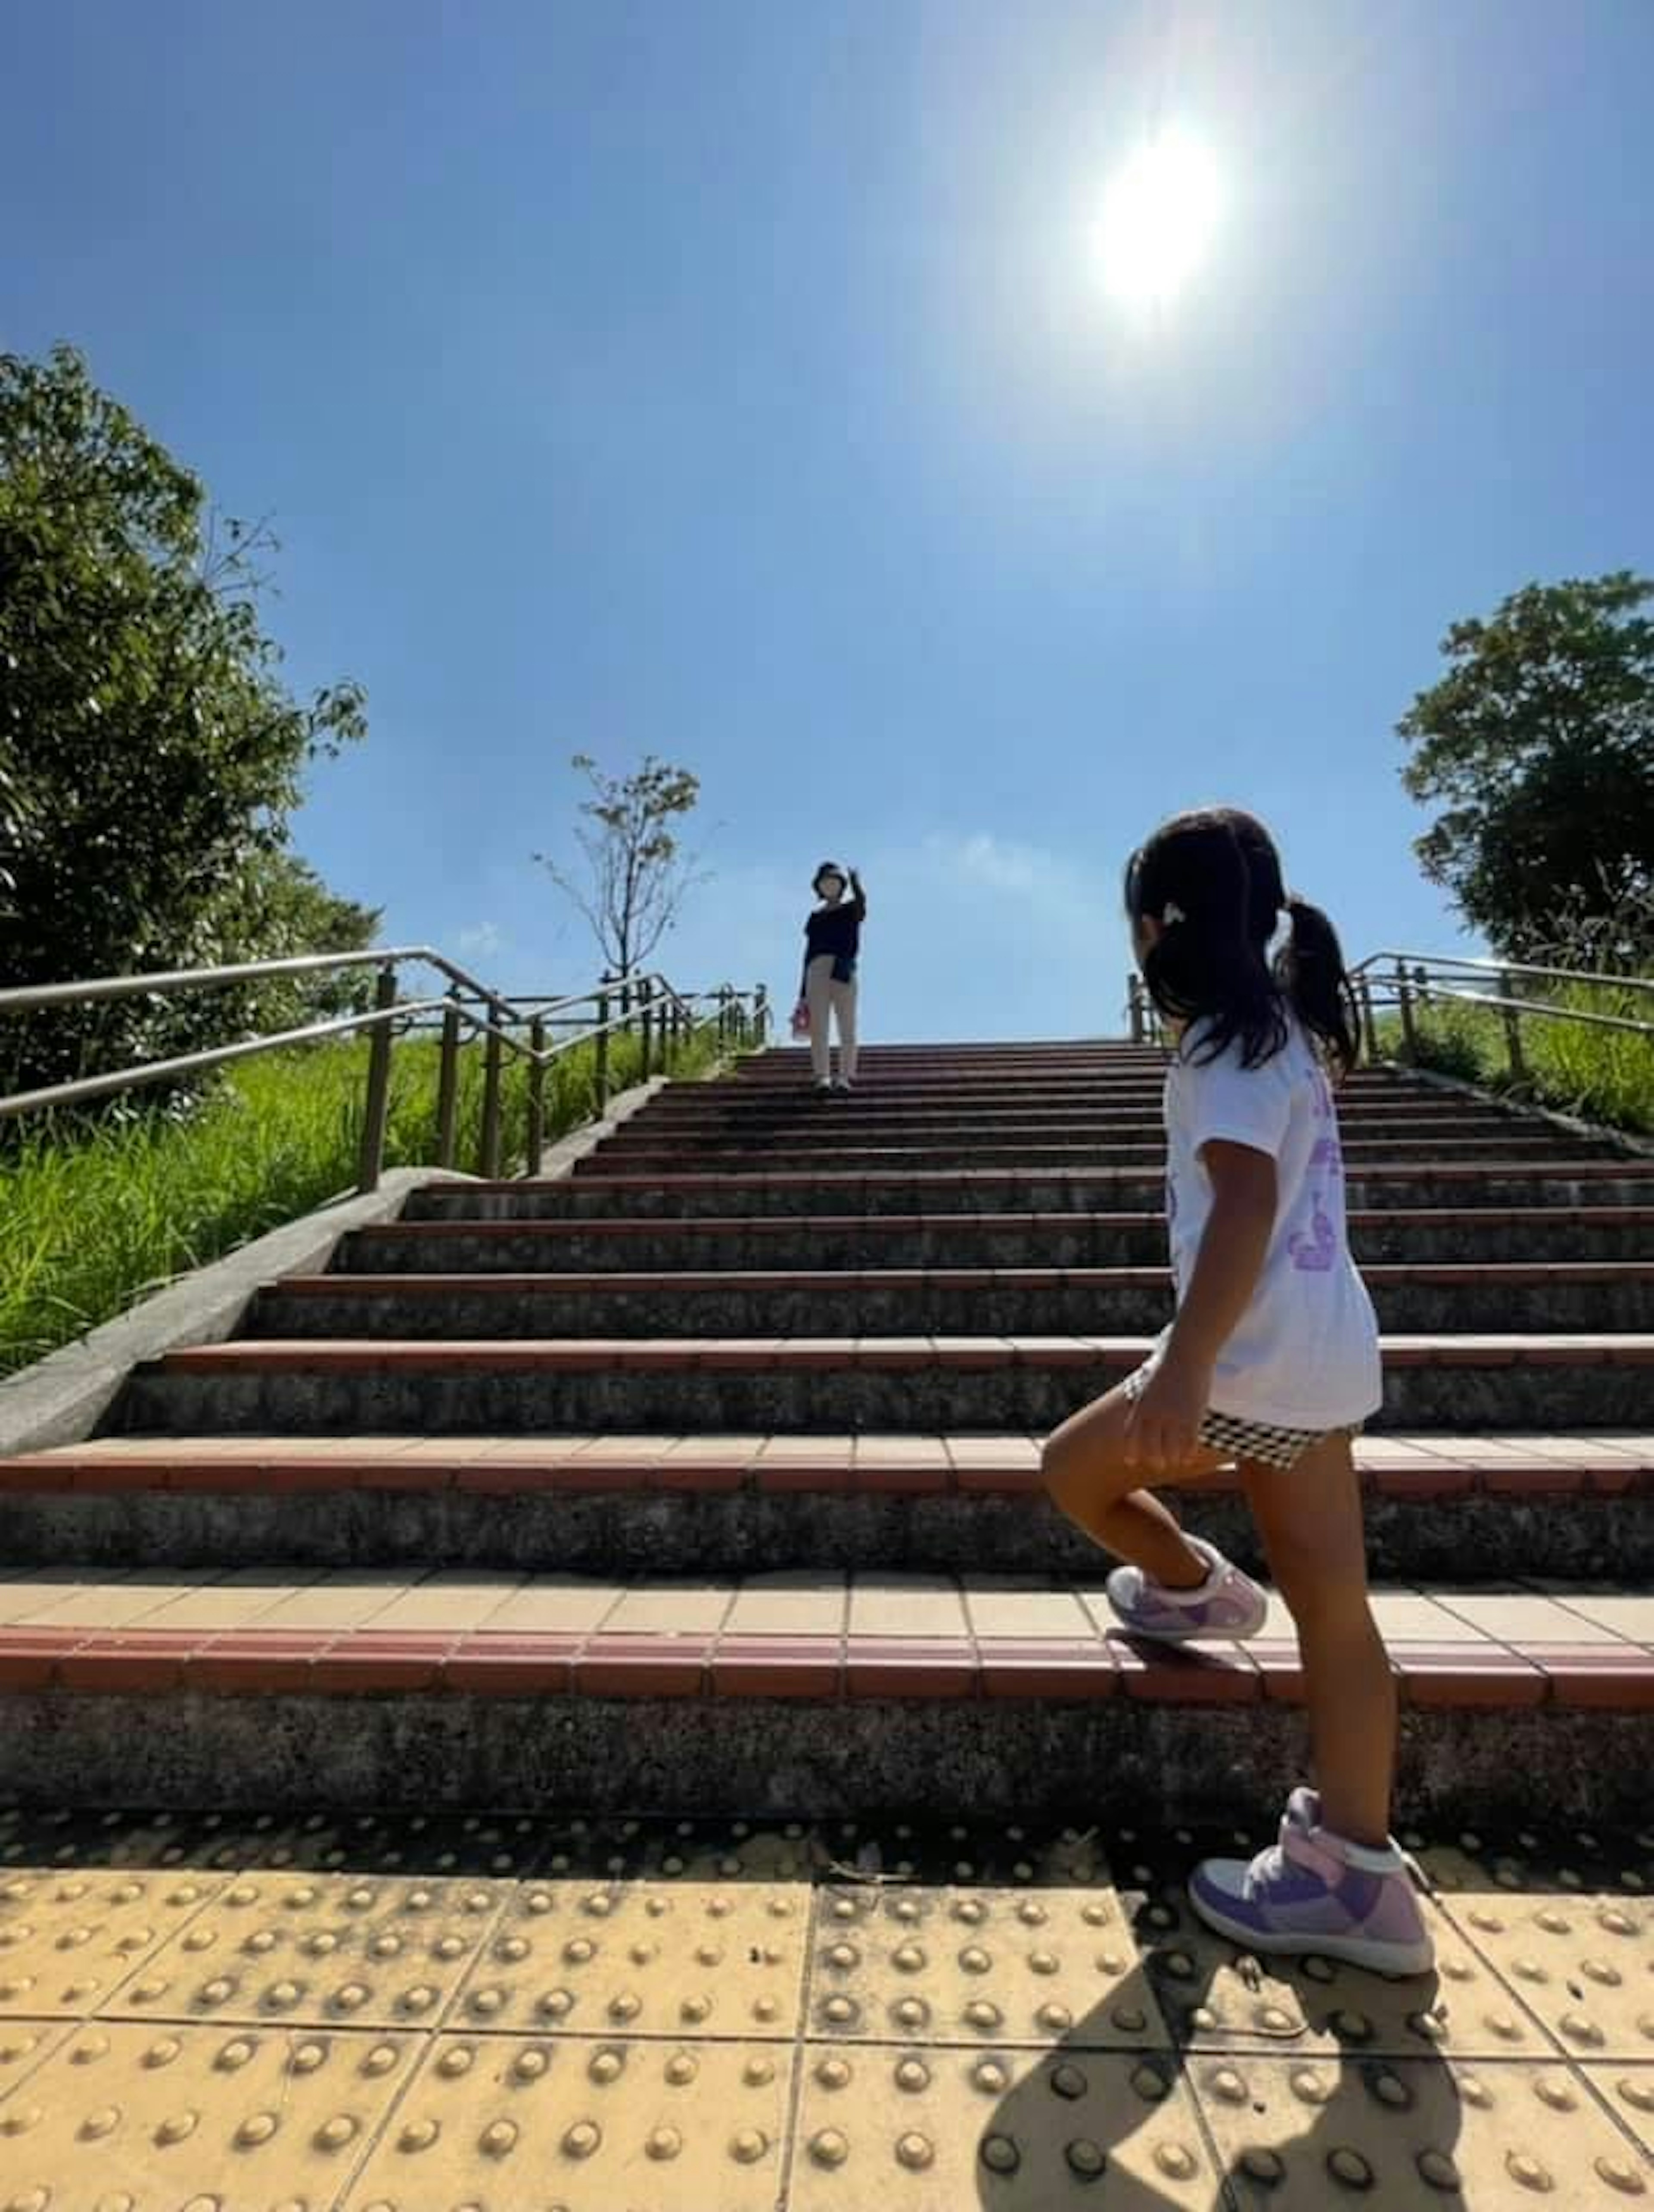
122	2117
514	2124
351	1950
69	1939
1411	2137
922	2128
979	1967
645	1959
1628	2093
1584	1964
498	2012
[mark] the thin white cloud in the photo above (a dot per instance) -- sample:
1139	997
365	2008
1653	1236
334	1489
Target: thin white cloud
481	937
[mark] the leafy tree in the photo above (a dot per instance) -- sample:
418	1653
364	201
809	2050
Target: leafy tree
1540	739
636	872
149	753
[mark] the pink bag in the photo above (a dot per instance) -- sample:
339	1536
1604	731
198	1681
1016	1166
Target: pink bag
801	1020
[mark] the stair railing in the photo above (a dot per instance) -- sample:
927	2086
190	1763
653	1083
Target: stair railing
642	1005
1407	983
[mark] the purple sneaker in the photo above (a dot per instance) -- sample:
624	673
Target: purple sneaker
1227	1604
1313	1892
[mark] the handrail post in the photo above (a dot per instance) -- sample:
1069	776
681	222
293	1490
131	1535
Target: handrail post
448	1080
1404	1005
600	1070
646	1027
370	1163
1518	1057
760	1014
1135	1008
488	1150
1369	1026
536	1135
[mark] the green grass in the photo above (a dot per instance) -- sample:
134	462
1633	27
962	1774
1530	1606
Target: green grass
91	1220
1605	1076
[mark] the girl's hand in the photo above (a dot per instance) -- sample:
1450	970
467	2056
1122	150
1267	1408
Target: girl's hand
1162	1429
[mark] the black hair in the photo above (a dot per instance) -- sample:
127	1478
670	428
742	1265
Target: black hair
1212	880
828	868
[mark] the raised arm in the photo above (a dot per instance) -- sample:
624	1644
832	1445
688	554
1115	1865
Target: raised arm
858	897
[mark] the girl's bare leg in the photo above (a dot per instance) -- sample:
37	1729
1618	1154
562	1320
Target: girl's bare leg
1086	1474
1309	1521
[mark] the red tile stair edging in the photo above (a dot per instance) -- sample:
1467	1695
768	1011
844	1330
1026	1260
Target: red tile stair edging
1480	1674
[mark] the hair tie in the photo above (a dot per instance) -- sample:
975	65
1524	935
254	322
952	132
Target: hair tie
1172	912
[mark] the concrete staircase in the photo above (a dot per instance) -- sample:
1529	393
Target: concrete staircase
705	1478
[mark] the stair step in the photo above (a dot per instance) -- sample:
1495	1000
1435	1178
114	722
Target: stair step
1573	1295
1029	1384
1477	1508
1407	1184
815	1694
1428	1465
944	1152
1419	1234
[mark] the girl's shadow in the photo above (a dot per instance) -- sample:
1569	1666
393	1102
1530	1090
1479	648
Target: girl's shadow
1301	2084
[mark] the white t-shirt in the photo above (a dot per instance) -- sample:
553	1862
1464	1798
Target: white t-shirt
1305	1354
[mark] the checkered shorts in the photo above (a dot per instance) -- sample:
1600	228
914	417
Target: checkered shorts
1254	1440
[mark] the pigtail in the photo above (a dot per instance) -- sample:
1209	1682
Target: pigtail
1310	970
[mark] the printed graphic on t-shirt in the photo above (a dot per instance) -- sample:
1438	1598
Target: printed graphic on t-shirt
1317	1253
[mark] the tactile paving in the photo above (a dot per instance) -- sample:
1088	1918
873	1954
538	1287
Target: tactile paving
978	1966
928	2130
123	2117
1628	2093
1305	2135
645	1959
541	2124
351	1950
25	2045
69	1938
1584	1964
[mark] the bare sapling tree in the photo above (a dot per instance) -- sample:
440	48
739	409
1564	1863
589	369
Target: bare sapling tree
634	871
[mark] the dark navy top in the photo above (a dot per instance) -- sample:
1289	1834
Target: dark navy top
837	930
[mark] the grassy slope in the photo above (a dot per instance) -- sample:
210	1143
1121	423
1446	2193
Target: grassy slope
89	1223
1603	1075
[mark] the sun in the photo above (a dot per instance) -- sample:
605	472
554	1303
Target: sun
1159	218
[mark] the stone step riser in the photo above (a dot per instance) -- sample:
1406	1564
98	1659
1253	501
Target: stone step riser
1077	1242
939	1131
1462	1540
727	1309
448	1399
978	1757
589	1197
967	1158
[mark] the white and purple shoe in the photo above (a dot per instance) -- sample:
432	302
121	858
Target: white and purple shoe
1315	1891
1228	1604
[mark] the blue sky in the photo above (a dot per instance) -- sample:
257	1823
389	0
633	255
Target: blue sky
733	378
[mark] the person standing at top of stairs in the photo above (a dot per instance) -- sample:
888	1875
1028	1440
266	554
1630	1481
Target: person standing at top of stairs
1272	1362
833	944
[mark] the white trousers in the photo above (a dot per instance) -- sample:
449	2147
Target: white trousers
827	1002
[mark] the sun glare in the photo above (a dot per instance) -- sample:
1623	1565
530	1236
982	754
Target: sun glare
1158	217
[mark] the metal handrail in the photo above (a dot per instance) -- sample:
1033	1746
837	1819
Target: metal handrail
648	1003
1500	967
1408	981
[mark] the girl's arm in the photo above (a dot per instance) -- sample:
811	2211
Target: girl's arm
858	895
1163	1430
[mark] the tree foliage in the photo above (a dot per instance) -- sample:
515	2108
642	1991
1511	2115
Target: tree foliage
1540	741
150	752
635	871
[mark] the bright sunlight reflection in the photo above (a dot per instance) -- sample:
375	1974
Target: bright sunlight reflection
1158	219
